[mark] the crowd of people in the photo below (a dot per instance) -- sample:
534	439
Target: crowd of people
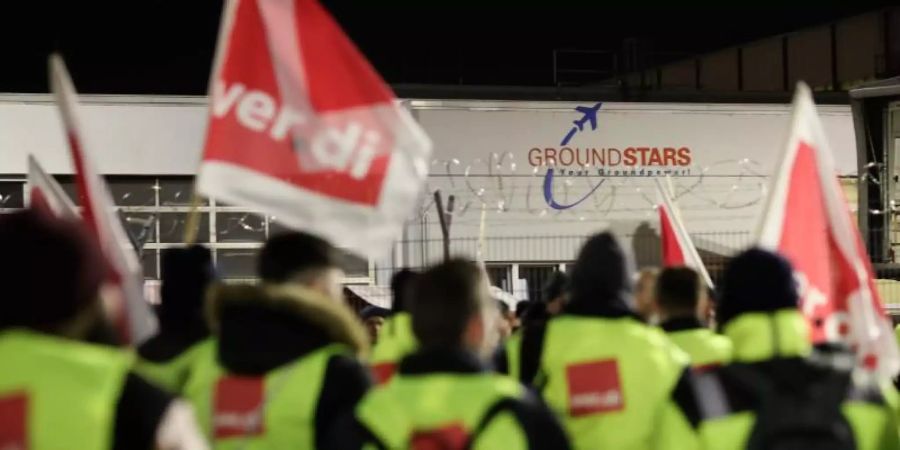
608	358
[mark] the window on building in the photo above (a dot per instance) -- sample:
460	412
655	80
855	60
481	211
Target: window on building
155	212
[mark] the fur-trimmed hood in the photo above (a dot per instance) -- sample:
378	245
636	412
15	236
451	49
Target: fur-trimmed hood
263	327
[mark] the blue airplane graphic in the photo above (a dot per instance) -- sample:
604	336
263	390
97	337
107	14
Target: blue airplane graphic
590	115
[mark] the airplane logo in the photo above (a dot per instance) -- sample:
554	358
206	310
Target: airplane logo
589	114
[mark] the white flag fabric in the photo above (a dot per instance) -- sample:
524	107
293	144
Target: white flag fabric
301	127
806	219
131	313
45	193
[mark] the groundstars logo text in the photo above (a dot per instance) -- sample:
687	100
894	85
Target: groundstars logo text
586	157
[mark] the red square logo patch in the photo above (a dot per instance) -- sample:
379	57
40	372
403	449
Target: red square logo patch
238	407
450	437
14	422
383	372
594	388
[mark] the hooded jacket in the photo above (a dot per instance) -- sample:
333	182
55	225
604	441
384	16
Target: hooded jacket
258	329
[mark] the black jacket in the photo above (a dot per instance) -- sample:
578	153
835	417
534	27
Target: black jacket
186	274
541	428
261	329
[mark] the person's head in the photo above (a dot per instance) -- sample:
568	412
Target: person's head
506	322
555	292
51	271
451	308
644	290
401	285
186	273
300	258
756	281
602	274
679	293
521	307
373	318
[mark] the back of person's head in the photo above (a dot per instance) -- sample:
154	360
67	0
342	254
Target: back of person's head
602	273
51	271
644	293
555	288
301	258
401	286
678	292
446	298
521	307
756	281
186	273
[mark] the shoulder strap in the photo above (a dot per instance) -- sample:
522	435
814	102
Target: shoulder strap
502	405
530	351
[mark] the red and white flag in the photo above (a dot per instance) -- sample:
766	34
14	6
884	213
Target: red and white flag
806	219
303	128
46	194
131	314
677	247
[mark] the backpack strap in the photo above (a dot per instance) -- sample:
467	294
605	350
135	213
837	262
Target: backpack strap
710	394
500	406
530	352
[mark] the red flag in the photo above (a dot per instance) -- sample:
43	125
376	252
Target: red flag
677	247
302	127
806	219
131	314
46	194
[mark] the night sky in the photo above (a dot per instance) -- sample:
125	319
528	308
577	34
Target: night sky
166	46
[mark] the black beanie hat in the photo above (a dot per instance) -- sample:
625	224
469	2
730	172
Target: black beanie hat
186	273
50	269
401	286
555	287
602	273
756	281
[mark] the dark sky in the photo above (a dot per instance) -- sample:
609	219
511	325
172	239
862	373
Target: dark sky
165	46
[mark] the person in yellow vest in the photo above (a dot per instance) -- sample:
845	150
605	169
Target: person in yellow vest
283	363
56	390
167	357
773	395
615	381
553	299
680	303
442	396
396	338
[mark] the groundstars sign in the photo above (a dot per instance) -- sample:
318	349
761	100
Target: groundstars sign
302	127
807	220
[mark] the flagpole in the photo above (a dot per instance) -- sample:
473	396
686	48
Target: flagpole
192	224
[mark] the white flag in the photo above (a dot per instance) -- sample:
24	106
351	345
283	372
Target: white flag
132	316
806	219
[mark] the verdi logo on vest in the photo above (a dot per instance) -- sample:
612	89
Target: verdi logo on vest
448	437
13	426
594	388
383	372
238	407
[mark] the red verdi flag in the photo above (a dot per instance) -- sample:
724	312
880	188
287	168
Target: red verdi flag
677	247
303	128
130	313
806	219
